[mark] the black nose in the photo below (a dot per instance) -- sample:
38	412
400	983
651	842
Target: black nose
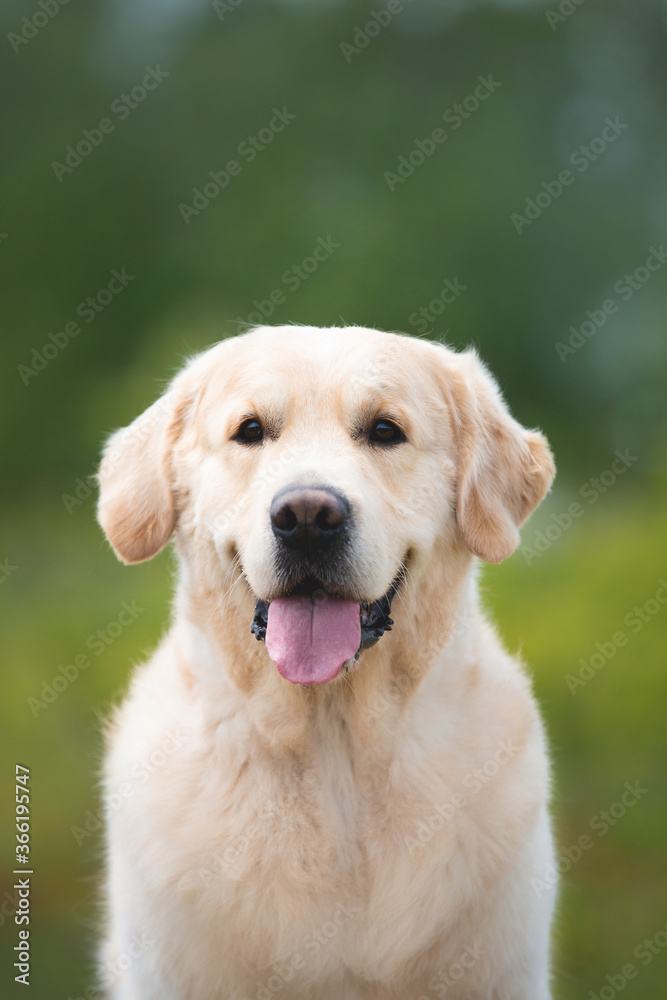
308	517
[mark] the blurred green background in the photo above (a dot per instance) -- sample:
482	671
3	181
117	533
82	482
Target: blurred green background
574	274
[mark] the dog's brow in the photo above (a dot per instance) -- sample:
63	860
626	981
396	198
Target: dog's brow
376	406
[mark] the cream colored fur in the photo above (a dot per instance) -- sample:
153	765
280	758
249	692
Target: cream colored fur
376	837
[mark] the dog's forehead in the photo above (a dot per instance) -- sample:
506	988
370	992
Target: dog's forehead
352	364
342	350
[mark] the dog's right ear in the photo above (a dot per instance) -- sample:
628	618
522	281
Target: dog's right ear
136	505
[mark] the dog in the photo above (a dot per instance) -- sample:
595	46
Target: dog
334	781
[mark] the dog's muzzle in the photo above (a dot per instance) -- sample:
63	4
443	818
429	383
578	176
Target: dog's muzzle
312	630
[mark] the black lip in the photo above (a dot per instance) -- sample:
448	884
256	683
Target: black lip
374	618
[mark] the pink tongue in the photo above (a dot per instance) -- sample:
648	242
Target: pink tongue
310	639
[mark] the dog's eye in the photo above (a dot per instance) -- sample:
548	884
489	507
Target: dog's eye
386	432
250	431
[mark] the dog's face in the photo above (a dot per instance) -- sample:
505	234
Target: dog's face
322	466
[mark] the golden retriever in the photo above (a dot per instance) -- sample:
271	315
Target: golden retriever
333	780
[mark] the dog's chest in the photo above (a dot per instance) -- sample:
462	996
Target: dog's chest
318	860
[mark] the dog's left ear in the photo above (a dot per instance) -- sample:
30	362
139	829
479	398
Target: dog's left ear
136	507
503	470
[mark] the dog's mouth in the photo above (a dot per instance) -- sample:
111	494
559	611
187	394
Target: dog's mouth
311	634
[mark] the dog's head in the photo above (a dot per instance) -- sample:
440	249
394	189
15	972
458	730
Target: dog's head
319	468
